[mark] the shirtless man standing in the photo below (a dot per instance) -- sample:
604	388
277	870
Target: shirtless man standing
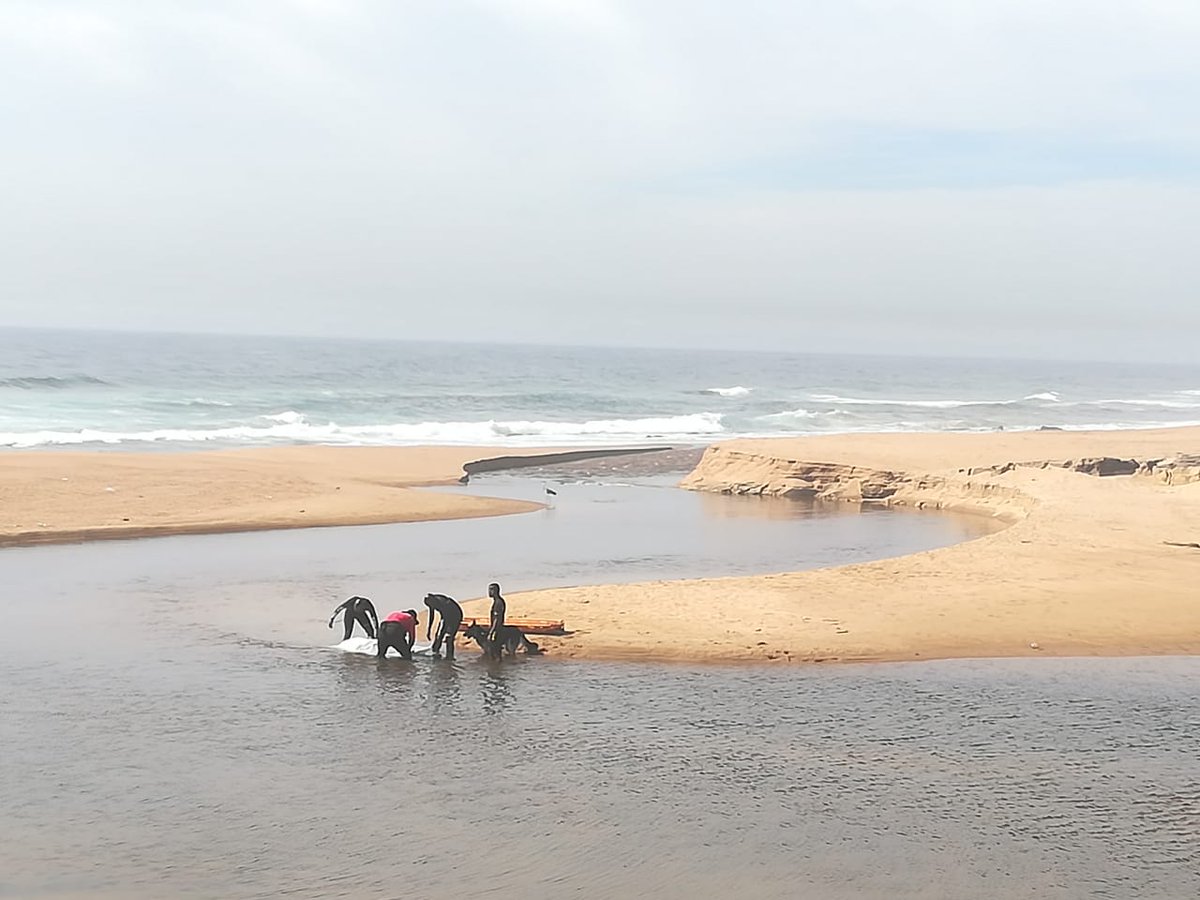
499	607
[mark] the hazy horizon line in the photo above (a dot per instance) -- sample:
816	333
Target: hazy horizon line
645	348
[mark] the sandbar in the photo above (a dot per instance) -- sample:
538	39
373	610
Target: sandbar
57	497
1088	564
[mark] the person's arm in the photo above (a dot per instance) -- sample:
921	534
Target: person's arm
341	606
429	625
410	636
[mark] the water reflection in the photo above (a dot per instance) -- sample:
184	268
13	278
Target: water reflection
726	506
445	687
1061	780
395	676
494	686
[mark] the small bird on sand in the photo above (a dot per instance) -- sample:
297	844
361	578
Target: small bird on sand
551	492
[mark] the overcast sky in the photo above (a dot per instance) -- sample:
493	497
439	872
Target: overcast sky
996	177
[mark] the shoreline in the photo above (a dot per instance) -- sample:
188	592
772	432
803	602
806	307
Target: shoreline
1094	558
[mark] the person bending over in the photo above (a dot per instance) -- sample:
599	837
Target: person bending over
497	615
360	610
398	630
451	616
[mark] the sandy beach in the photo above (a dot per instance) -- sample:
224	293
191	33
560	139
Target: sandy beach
59	497
1086	565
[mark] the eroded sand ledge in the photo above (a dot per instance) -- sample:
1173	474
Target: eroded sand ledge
1081	569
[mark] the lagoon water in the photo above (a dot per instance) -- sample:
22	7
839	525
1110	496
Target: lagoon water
175	723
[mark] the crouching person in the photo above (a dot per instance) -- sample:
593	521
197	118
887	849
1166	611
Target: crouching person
399	630
451	618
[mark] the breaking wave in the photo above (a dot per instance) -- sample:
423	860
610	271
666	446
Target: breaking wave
198	401
923	404
794	414
1041	397
735	391
49	382
1162	404
287	417
292	427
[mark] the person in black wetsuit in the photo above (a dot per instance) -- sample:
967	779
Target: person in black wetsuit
451	618
360	610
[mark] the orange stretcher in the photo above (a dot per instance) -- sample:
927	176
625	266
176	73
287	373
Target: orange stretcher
529	626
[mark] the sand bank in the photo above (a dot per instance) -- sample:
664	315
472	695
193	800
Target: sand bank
1084	568
51	497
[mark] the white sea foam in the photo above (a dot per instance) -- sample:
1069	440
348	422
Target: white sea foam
1047	396
199	401
1125	426
696	423
923	404
699	427
1160	404
287	417
291	427
735	391
792	415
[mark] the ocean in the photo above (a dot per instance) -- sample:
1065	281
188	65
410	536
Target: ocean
137	391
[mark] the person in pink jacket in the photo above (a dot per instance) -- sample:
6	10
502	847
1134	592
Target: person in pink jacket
399	630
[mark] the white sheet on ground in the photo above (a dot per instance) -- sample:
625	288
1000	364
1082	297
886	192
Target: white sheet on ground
369	647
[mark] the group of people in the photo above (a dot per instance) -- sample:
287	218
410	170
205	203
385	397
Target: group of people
399	629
